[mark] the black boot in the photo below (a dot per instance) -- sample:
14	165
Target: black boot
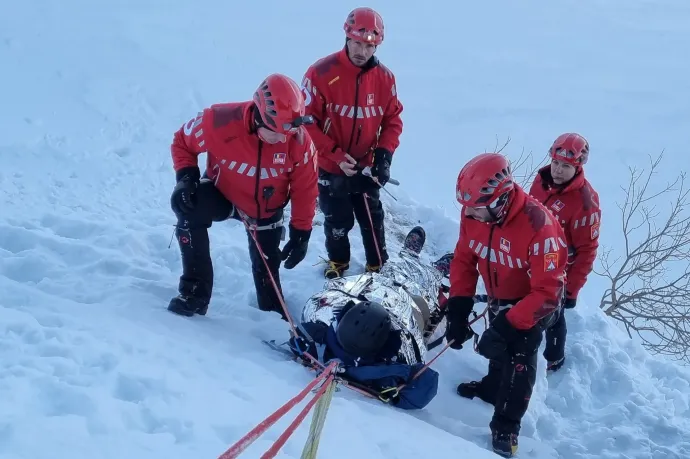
434	320
555	365
469	389
267	297
504	443
196	282
415	239
487	388
335	269
188	306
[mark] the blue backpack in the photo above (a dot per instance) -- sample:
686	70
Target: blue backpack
415	395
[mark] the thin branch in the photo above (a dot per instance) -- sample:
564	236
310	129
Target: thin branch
650	279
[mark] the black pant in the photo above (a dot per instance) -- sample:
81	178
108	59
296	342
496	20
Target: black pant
197	269
555	339
342	201
509	384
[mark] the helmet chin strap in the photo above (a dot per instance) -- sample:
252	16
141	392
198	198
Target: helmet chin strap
497	212
494	215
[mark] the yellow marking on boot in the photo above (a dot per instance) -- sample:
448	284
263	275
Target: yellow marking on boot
335	268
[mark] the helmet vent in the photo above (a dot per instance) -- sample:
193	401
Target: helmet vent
269	119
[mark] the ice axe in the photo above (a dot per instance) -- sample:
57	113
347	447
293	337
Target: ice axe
367	173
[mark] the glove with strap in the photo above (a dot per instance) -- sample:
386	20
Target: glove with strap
182	200
382	165
457	316
296	248
299	345
569	303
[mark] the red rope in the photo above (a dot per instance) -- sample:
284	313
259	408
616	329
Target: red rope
252	232
273	450
293	330
373	230
315	362
445	348
236	449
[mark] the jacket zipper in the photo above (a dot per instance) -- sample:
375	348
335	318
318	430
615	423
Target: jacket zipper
354	116
359	134
256	186
488	265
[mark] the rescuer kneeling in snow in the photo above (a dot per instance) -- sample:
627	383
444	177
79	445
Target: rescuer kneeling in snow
519	249
259	158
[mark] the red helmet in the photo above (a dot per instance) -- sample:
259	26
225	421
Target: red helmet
485	181
280	104
364	24
571	148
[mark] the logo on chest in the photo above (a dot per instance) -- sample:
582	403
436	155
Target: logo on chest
558	205
370	99
505	245
279	158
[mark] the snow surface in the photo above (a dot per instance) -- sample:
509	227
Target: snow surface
91	363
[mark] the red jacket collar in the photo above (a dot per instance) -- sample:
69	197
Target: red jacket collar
517	203
248	117
352	68
346	62
545	180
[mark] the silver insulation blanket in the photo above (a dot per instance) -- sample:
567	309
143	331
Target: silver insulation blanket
392	287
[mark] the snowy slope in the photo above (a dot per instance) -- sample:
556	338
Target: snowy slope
91	364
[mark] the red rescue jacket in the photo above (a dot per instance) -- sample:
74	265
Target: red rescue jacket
576	207
257	177
523	258
355	109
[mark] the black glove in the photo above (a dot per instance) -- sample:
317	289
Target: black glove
494	341
569	303
182	199
382	165
457	316
502	337
296	248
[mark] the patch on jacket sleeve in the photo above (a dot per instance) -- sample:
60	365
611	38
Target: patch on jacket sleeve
550	261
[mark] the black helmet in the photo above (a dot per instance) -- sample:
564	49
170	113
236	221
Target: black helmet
363	330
